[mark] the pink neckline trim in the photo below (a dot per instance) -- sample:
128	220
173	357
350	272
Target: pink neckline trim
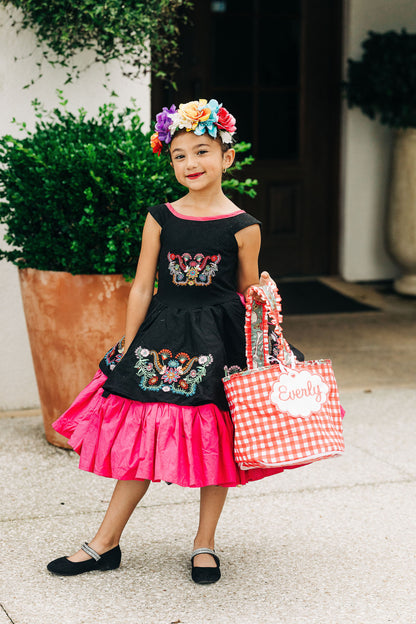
181	216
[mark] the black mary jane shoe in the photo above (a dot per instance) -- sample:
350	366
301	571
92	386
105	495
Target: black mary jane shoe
108	561
205	576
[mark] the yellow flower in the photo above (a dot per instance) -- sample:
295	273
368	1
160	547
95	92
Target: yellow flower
195	112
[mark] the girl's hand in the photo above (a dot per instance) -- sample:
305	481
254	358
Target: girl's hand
264	278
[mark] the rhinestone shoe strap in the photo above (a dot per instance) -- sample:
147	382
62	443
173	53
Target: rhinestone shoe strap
90	551
202	551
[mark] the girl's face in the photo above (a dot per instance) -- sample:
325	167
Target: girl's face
198	161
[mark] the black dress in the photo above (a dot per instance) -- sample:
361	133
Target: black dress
160	412
194	326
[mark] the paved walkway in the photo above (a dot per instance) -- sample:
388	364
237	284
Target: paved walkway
333	542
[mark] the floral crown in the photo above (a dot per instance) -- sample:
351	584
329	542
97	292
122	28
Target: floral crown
197	117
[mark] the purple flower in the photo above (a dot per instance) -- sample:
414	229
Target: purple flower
163	121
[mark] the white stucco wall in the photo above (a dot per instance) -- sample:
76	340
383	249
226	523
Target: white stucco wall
366	153
17	381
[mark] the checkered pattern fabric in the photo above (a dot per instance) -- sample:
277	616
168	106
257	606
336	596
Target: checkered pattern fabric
266	436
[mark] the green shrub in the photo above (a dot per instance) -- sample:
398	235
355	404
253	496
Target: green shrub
74	192
383	82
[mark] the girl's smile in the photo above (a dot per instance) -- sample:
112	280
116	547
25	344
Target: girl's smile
194	176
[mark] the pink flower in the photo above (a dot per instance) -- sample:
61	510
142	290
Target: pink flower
171	375
226	121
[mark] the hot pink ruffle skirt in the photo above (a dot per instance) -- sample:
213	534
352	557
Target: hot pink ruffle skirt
124	439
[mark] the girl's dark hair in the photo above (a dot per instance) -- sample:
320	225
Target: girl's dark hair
224	146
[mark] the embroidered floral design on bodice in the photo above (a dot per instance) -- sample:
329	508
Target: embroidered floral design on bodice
159	370
197	270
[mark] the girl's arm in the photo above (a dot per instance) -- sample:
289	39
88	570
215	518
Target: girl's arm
141	292
249	242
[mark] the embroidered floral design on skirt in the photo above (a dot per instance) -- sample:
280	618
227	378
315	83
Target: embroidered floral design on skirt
159	370
114	355
197	270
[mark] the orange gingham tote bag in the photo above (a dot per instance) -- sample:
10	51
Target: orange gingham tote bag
285	414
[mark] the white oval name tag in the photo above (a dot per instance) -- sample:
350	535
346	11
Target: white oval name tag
299	393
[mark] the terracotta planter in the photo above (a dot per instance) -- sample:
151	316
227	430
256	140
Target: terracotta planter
401	224
72	321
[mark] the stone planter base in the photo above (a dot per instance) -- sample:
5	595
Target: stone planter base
406	285
401	222
72	321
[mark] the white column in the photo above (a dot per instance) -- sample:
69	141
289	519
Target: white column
366	153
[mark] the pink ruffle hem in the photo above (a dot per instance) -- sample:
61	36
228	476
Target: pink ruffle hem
124	439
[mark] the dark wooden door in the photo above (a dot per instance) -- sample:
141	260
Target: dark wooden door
276	64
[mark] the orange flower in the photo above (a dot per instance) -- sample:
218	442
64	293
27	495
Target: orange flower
195	111
156	144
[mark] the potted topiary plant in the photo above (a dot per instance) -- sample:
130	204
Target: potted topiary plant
74	194
383	85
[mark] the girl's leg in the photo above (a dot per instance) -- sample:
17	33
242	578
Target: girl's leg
126	496
211	503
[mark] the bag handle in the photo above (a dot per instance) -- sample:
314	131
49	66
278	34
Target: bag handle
263	307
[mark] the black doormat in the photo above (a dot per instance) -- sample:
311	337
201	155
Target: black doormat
314	297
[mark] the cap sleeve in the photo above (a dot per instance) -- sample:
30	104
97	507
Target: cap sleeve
242	221
159	213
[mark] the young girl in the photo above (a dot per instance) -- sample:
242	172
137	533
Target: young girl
156	409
